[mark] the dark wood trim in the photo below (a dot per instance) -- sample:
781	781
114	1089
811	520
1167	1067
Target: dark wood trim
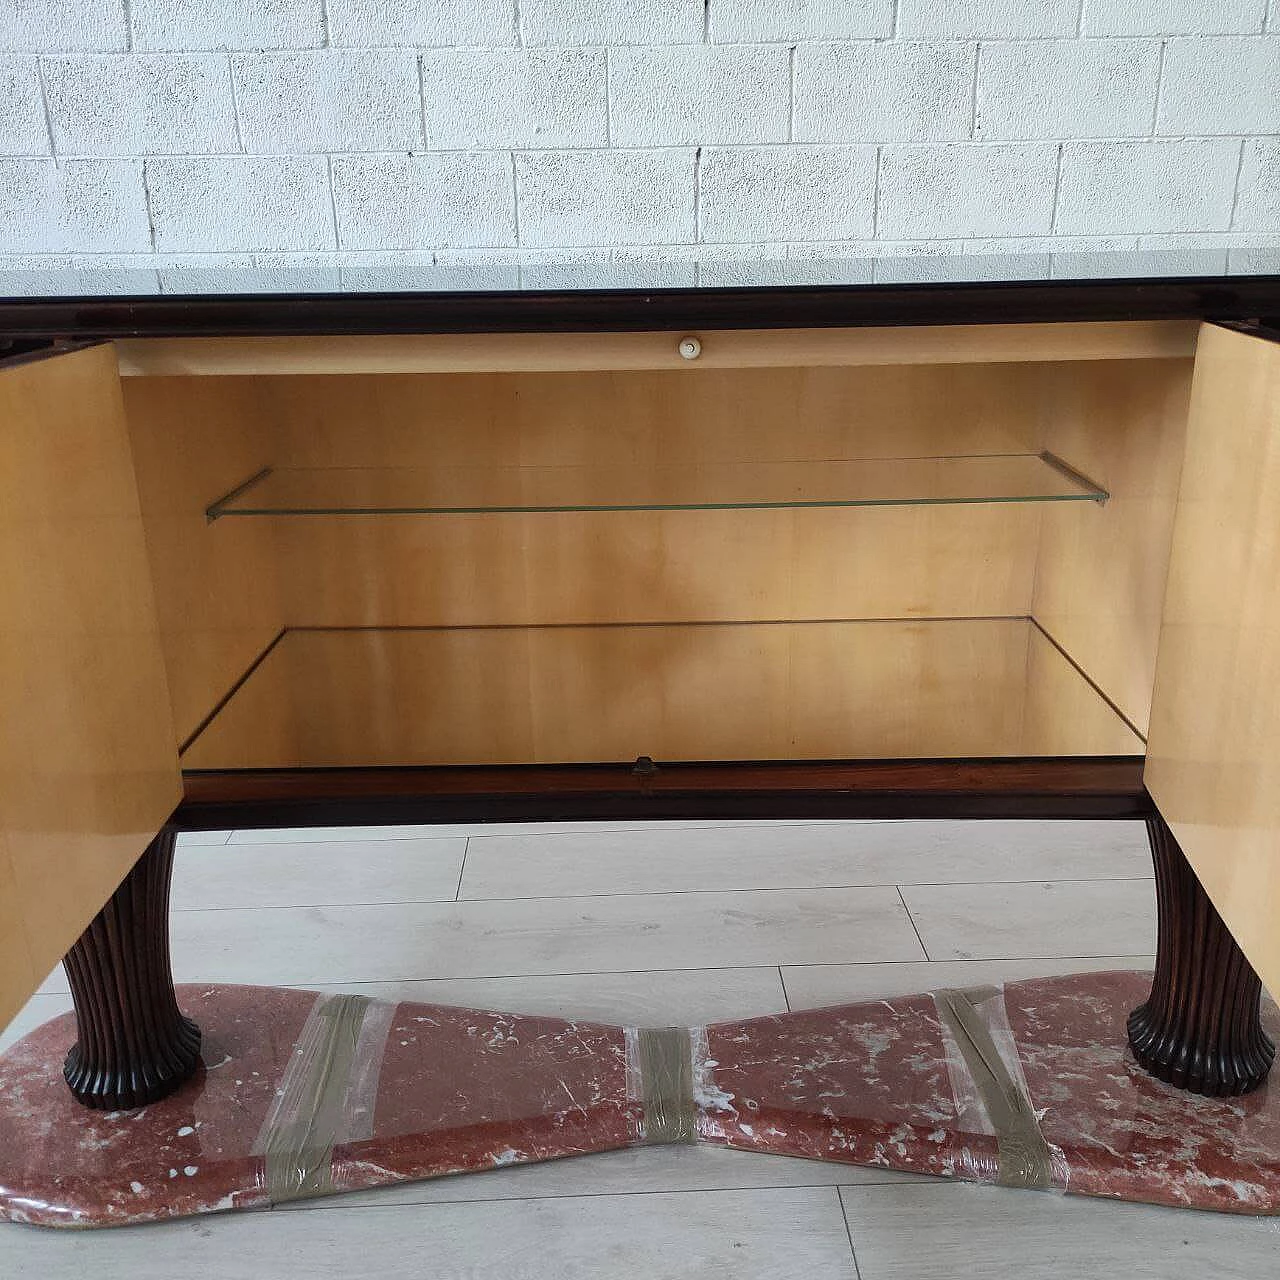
1093	787
1225	298
1201	1027
134	1045
18	351
1268	330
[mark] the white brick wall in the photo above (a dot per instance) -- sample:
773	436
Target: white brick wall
697	93
123	104
328	100
1224	85
1258	202
22	124
1134	186
231	203
936	192
746	20
225	24
421	23
757	195
573	22
47	26
1067	89
357	143
1172	17
572	198
878	91
92	206
398	201
993	19
498	98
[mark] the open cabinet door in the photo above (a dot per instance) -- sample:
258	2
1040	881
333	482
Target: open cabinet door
88	766
1213	764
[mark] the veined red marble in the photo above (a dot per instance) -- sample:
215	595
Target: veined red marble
435	1090
860	1084
453	1090
875	1084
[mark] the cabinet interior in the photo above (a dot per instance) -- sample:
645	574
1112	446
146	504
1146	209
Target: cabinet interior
789	561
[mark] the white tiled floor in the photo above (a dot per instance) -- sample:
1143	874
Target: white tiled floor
654	923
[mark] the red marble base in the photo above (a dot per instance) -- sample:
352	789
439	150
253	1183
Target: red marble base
304	1095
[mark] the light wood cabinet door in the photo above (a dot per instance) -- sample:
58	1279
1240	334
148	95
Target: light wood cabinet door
1213	763
88	766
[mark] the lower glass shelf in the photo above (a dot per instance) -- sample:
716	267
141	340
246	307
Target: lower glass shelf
703	691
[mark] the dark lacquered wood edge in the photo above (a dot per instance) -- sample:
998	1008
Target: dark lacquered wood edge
1106	787
1237	298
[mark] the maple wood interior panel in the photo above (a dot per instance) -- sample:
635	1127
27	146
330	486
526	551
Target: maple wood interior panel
1214	761
216	587
16	963
227	588
647	566
650	418
724	349
88	767
1101	571
654	566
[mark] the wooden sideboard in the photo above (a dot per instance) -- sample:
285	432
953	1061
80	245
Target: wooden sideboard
1003	550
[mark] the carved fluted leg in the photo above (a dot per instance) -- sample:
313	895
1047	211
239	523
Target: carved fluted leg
1200	1029
134	1044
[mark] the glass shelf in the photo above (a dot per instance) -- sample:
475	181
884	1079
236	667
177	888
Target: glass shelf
583	270
1015	477
709	691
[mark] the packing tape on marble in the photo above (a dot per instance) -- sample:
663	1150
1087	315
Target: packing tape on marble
301	1130
665	1059
1026	1159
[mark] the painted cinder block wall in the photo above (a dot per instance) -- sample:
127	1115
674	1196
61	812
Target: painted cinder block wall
177	144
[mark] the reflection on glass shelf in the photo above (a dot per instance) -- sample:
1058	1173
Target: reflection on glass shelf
668	267
1015	477
710	691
